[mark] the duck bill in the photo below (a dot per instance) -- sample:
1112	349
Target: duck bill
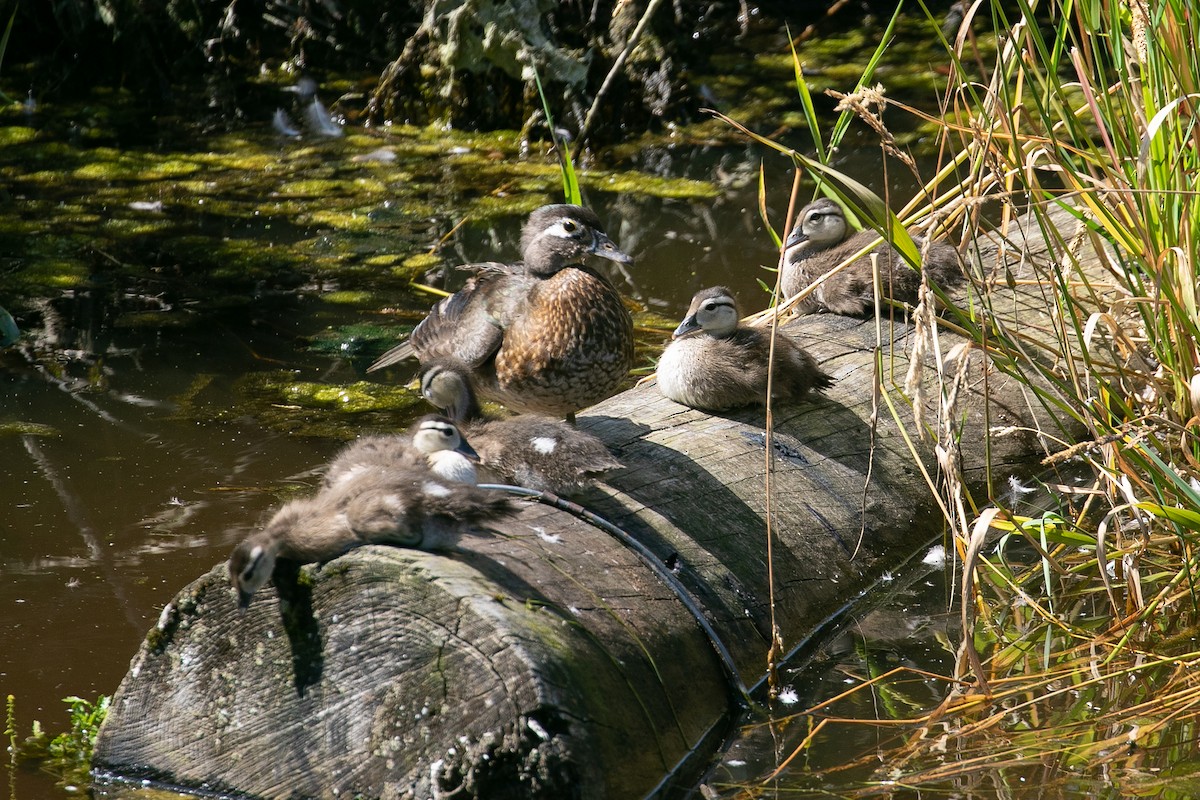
688	325
244	599
465	449
606	248
795	237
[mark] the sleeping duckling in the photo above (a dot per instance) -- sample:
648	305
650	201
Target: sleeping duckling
447	451
433	441
527	450
379	503
821	240
715	364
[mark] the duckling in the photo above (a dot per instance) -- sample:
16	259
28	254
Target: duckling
549	335
447	451
715	364
819	242
531	451
433	442
381	503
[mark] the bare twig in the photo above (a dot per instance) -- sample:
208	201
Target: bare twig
630	43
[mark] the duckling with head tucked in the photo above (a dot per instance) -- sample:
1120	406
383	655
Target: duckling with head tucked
549	335
384	502
715	364
821	239
534	452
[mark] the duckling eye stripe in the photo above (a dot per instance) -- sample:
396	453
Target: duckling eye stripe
256	556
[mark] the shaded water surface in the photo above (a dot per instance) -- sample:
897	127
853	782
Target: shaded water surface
162	399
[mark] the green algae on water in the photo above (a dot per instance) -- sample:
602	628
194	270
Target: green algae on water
280	401
23	428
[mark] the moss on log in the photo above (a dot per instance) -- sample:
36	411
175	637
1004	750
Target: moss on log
546	660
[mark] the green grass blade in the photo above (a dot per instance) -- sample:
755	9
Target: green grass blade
843	123
1180	516
860	200
762	208
569	179
866	205
4	47
810	113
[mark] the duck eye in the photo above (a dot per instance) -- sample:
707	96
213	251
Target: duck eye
570	226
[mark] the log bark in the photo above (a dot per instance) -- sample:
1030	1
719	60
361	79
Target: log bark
546	660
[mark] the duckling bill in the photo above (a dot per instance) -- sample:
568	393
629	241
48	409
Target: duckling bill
714	363
821	240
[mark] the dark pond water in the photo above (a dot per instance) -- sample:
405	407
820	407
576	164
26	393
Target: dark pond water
135	449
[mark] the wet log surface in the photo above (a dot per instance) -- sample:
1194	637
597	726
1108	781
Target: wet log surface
546	660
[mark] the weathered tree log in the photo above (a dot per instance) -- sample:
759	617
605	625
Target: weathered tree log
547	660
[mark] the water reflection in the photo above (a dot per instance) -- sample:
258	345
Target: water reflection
114	502
908	629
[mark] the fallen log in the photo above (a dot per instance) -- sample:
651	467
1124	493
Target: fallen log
547	660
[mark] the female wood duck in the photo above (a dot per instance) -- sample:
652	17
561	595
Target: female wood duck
376	502
715	364
549	335
818	243
531	451
433	442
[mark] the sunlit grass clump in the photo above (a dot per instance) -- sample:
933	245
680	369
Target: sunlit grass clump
1091	109
1078	667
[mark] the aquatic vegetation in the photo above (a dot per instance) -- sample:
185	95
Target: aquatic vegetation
67	755
16	134
309	408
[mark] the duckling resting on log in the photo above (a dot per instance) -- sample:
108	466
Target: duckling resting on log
381	490
527	450
715	364
820	240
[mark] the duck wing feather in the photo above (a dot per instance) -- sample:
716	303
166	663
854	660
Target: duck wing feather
466	326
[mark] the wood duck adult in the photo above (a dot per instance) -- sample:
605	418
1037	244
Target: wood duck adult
715	364
821	239
548	335
527	450
377	502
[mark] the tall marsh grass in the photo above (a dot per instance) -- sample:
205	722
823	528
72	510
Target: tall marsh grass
1090	110
1078	665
